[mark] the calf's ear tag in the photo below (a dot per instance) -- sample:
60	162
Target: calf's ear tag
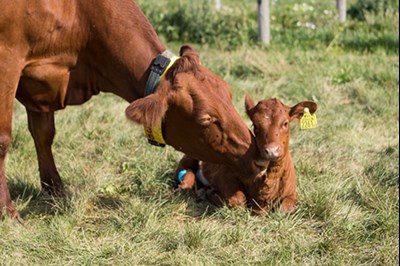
308	120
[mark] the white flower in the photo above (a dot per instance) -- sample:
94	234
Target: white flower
310	25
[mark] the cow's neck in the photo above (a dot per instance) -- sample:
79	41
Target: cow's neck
124	45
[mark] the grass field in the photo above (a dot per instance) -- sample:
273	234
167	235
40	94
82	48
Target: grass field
124	208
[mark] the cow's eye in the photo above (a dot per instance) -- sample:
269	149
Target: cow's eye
205	120
285	124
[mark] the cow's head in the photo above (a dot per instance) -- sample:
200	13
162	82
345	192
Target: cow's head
271	120
196	110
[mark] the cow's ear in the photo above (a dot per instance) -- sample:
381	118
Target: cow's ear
249	105
186	49
297	111
148	111
189	52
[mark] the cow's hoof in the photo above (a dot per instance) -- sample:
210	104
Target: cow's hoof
57	191
13	214
16	218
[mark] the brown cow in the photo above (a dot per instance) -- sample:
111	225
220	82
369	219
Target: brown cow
274	182
59	53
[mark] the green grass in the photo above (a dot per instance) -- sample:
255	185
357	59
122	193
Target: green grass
123	207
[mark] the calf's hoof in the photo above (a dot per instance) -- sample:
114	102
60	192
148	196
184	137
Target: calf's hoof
287	206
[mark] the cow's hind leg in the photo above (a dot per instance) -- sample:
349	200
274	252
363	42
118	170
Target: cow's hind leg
41	126
9	76
6	205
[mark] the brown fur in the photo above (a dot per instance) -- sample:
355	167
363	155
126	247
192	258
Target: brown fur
59	53
274	181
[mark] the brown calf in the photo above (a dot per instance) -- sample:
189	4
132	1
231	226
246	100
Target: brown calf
275	181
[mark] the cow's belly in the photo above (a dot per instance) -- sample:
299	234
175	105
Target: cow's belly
43	87
51	84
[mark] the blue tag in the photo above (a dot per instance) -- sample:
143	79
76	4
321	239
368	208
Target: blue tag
181	174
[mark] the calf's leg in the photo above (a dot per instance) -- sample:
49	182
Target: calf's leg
41	126
288	204
230	191
191	166
289	196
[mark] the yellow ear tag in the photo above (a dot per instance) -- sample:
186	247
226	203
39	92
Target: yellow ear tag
308	120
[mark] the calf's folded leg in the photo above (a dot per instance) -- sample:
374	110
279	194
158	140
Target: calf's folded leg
191	166
228	190
288	204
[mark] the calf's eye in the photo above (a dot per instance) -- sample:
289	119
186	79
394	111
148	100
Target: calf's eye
285	124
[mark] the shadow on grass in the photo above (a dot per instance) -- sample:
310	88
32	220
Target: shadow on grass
34	201
385	169
164	187
21	190
107	202
197	207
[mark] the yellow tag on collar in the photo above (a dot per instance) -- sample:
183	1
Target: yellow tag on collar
154	135
308	120
173	59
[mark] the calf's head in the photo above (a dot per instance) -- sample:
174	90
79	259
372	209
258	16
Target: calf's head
196	110
271	120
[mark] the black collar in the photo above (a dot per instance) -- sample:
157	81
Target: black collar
157	71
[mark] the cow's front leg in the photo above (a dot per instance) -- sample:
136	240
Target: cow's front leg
41	126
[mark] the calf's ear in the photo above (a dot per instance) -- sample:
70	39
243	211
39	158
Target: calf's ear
148	111
249	105
297	111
